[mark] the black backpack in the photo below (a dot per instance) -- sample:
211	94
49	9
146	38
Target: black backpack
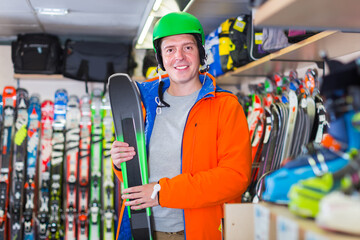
95	61
36	54
232	43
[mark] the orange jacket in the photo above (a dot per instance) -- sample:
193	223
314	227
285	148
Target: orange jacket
216	158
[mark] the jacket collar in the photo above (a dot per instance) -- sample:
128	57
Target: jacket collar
149	88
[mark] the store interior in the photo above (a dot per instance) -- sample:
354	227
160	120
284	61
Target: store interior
318	66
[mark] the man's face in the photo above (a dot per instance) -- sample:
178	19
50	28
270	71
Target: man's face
181	57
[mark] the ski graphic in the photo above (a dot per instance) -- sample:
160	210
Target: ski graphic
84	168
9	104
1	120
293	109
47	118
72	157
108	176
96	163
34	114
18	172
129	127
57	159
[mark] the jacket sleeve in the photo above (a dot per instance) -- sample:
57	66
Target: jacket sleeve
224	182
118	173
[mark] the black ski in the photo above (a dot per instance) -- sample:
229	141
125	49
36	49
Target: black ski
57	161
129	127
9	104
18	173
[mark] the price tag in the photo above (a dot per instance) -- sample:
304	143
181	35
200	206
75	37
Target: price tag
258	38
261	222
314	236
286	229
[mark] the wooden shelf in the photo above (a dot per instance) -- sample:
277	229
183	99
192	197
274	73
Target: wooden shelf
302	54
38	76
310	14
305	224
57	76
248	220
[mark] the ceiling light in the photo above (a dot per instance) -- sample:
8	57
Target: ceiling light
145	29
188	6
157	5
52	11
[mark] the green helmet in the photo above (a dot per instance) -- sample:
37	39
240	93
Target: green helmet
178	23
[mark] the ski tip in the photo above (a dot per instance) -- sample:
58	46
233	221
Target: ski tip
117	76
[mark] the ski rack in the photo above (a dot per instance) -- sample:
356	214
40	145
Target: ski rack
308	50
319	64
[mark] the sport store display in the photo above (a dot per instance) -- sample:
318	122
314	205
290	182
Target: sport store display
237	42
56	179
306	149
284	114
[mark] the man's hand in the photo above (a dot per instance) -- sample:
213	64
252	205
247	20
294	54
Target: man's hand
140	197
121	152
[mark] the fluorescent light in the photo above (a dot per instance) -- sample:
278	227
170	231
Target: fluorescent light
157	5
145	29
52	11
188	6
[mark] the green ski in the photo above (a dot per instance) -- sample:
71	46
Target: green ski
96	157
107	173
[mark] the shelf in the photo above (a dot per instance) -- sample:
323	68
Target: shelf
298	55
38	76
271	221
310	14
57	76
305	224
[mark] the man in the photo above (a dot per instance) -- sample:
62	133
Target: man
196	135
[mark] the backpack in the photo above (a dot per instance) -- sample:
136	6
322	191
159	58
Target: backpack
95	61
36	54
232	42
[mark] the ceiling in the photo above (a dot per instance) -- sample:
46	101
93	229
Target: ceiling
106	20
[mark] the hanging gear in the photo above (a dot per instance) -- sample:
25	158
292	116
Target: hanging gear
168	26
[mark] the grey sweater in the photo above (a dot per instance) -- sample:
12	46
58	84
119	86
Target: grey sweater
165	154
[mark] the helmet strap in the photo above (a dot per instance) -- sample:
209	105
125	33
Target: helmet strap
160	99
204	69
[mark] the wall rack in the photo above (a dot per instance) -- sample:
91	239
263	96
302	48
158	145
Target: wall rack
56	76
299	55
